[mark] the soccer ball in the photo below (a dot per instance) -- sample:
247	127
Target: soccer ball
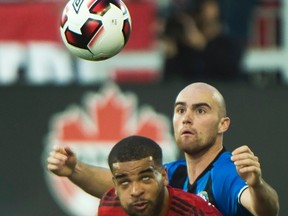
95	29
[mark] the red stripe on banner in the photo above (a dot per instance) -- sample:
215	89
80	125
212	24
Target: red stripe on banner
262	30
136	75
26	22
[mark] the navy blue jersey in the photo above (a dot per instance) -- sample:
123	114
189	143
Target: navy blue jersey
219	184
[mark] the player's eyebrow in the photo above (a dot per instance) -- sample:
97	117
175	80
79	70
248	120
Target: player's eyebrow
148	170
124	175
200	105
179	103
196	105
119	176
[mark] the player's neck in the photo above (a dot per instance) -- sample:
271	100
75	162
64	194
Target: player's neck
196	164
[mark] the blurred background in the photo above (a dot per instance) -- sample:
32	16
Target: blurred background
240	47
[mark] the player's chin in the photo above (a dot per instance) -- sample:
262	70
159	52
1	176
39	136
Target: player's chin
185	140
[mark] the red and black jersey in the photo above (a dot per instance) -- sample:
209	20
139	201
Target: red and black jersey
110	205
181	204
188	204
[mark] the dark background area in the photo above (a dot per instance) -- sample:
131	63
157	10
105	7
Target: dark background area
258	118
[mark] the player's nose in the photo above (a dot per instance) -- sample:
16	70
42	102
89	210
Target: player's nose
188	117
136	189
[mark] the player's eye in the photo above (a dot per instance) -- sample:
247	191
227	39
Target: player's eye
180	109
146	178
123	183
201	111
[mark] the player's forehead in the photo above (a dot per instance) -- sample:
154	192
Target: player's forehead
195	95
134	167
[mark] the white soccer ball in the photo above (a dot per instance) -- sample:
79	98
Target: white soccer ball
95	29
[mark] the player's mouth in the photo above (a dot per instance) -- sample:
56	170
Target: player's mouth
187	132
140	206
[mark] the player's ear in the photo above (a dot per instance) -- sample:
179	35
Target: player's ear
114	182
165	176
223	124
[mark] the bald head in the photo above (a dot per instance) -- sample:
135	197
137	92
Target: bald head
204	91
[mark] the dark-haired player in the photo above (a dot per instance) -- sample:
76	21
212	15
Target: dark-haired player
141	184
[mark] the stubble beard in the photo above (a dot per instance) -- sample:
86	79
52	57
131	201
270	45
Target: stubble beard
196	146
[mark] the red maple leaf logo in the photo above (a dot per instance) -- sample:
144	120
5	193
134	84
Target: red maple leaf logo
109	116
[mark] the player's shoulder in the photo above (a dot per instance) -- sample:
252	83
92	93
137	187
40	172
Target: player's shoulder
223	157
223	160
180	195
110	198
110	205
223	168
190	201
175	164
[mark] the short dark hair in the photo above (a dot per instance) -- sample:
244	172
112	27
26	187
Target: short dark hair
135	148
